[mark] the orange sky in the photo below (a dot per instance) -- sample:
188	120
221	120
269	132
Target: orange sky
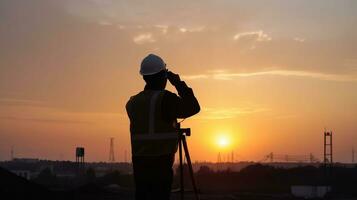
269	77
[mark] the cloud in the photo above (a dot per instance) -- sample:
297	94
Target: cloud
221	75
46	120
105	23
317	75
192	30
350	63
41	111
144	38
198	76
121	27
163	28
229	112
297	39
258	36
21	102
183	13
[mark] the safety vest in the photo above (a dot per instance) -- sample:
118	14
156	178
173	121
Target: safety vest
151	135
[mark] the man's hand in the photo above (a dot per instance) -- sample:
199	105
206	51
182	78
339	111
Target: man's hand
173	78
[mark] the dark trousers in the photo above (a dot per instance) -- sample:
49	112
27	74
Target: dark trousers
153	177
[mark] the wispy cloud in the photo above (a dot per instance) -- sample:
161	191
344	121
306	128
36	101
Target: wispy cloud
307	74
197	76
42	112
105	23
298	39
258	36
121	27
229	112
350	63
144	38
192	30
46	120
163	28
317	75
61	117
21	102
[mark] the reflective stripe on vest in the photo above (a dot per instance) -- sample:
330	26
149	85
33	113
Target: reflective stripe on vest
155	136
152	112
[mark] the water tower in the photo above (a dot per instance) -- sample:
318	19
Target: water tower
80	159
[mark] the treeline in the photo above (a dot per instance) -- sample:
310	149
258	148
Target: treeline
267	179
254	178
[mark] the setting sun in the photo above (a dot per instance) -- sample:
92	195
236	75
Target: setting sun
223	141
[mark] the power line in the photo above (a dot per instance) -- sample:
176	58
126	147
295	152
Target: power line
273	157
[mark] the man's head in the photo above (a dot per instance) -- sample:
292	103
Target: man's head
153	70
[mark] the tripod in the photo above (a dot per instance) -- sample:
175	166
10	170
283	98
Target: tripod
183	132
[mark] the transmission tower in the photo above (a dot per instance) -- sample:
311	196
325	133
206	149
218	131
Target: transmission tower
111	151
219	159
328	161
313	159
328	148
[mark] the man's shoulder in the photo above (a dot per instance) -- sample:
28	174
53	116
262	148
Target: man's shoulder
136	95
169	95
132	98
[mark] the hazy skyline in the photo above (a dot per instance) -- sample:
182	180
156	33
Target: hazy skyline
270	75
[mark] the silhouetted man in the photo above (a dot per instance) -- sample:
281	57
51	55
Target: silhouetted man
153	117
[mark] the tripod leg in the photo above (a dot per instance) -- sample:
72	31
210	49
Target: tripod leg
187	154
181	169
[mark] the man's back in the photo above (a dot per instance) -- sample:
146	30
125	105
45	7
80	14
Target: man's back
153	115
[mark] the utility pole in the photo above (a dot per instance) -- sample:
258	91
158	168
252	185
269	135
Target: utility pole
353	155
111	151
12	153
271	156
232	156
311	158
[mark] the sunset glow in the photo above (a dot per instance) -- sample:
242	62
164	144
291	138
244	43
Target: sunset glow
268	78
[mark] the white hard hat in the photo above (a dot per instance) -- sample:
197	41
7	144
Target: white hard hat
152	64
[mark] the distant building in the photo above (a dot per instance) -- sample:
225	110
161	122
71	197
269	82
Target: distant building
26	160
22	173
309	192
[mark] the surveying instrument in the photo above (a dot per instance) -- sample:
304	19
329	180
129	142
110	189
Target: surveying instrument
183	132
